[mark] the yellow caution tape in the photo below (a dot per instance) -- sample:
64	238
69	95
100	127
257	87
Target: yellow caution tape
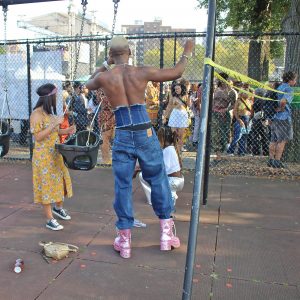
242	90
240	77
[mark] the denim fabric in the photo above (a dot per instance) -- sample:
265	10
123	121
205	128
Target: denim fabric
128	147
131	115
237	138
288	95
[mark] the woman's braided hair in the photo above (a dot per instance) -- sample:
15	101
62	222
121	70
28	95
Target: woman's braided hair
167	137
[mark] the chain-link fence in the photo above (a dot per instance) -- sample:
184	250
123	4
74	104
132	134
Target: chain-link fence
236	147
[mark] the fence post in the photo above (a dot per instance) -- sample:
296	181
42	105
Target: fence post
106	47
208	134
29	96
199	168
161	65
175	48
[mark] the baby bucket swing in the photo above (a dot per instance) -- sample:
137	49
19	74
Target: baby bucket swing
80	151
4	126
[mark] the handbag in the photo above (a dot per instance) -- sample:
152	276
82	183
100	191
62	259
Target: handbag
56	250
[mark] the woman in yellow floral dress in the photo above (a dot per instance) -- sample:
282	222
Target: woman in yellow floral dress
51	179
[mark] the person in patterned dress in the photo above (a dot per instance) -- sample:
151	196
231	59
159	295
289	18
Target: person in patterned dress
107	125
51	179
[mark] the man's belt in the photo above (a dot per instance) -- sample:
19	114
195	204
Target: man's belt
136	127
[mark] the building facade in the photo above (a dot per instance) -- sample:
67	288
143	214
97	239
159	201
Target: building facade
154	27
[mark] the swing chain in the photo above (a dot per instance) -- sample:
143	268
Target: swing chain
5	10
84	7
116	3
5	87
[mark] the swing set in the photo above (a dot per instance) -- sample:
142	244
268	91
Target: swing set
80	151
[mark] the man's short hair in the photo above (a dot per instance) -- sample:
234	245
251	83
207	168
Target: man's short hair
287	76
119	45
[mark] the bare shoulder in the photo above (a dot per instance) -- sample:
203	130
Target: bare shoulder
36	116
146	72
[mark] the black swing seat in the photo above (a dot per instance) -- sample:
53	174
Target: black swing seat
76	154
4	138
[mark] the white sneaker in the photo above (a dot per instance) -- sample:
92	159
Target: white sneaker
138	223
61	213
54	225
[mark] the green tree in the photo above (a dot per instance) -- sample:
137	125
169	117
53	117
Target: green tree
2	50
232	53
194	70
291	24
254	16
152	56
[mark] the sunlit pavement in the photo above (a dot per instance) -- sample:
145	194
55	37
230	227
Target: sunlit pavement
248	242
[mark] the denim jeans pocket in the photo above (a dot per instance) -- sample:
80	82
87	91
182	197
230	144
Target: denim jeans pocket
151	148
119	153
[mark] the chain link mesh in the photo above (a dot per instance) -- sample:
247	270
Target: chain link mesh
233	150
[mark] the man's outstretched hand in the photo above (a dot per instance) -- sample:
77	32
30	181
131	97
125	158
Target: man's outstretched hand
188	47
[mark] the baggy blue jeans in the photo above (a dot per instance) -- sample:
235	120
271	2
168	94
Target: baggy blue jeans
142	145
237	138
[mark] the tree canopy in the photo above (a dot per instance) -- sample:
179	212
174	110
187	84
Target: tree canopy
250	15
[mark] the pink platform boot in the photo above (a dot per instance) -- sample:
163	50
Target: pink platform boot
122	243
167	237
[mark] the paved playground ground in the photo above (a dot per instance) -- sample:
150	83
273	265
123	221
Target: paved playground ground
248	242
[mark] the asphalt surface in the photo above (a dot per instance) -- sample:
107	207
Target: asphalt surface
247	247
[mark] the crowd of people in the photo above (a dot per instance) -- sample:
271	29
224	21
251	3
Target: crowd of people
242	123
245	121
255	122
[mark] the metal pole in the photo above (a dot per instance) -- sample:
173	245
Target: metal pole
106	48
161	65
208	134
29	96
175	48
199	170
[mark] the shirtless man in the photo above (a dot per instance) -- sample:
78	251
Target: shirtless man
135	139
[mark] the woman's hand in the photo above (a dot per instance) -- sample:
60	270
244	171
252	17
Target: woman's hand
71	129
57	120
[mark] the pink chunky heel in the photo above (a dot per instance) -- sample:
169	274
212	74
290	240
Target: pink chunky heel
122	243
167	238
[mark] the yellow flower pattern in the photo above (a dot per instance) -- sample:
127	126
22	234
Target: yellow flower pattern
51	178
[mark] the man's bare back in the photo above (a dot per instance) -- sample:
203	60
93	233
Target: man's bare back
125	85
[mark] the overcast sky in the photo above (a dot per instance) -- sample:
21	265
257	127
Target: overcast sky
178	14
